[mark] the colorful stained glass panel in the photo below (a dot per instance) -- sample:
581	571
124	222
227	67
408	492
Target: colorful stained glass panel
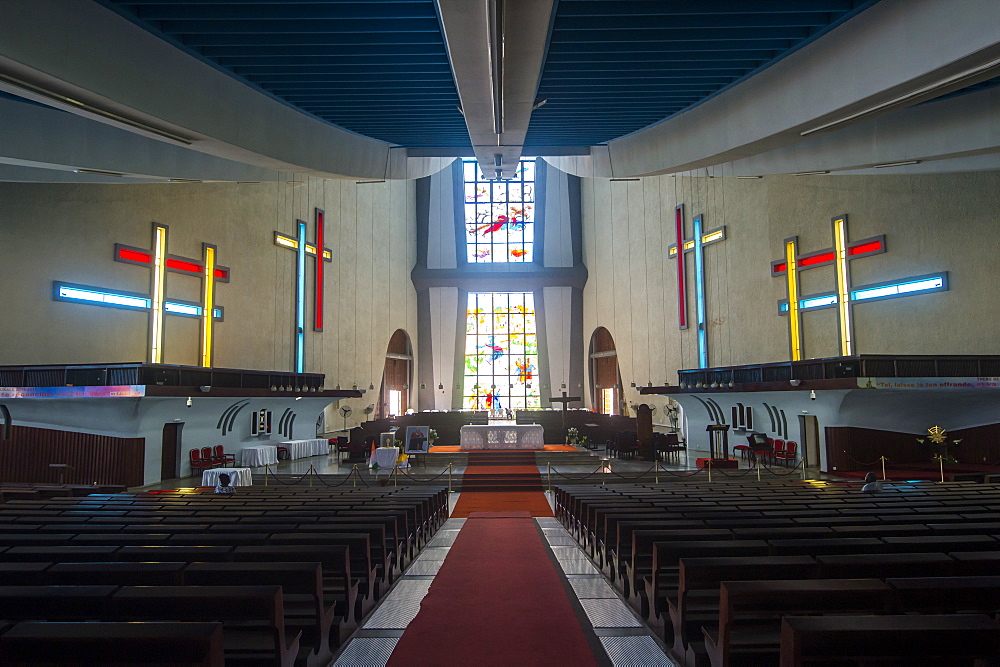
501	351
499	215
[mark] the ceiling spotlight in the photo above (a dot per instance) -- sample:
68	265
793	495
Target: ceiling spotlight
497	159
540	103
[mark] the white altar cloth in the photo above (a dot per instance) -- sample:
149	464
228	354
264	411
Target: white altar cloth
237	476
385	457
259	455
298	449
492	436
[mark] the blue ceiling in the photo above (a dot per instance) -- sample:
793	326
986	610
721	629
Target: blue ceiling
380	67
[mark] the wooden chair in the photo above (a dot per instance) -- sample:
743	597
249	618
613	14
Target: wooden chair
779	450
219	454
206	455
788	454
198	462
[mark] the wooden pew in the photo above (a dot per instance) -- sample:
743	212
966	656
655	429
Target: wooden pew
696	602
237	604
749	629
953	640
302	587
979	595
338	585
84	644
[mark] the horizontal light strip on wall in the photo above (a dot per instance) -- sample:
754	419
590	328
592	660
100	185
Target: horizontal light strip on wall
99	297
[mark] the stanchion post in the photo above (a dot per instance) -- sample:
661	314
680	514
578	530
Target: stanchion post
882	458
355	473
941	462
709	465
449	477
549	474
395	475
757	465
803	464
656	472
307	475
266	470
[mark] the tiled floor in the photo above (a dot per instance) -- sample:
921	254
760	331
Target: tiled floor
624	638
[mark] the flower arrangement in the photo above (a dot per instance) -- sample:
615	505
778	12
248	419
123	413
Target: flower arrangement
572	434
432	435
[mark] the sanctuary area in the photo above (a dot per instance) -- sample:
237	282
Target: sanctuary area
514	332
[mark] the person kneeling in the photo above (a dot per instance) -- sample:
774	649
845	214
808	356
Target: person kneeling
223	488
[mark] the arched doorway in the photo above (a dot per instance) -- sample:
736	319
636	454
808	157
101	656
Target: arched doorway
605	378
394	397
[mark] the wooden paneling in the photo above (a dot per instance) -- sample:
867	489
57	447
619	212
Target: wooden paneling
849	448
103	459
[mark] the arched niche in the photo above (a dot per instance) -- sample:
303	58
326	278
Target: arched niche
394	395
605	378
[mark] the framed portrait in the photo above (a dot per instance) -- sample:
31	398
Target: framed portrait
416	439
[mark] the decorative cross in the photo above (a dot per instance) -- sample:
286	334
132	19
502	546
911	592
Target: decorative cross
302	250
845	295
156	302
564	399
697	245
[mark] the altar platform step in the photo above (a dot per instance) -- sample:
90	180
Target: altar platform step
501	482
501	458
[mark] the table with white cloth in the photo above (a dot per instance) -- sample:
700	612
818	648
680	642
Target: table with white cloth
505	436
298	449
237	476
259	455
385	457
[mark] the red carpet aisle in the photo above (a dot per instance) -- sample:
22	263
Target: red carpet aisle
498	600
532	502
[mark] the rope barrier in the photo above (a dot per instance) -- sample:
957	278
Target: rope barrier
746	472
783	474
865	465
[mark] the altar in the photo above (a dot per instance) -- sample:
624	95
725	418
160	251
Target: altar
502	436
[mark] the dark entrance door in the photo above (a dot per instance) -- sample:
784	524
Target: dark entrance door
169	447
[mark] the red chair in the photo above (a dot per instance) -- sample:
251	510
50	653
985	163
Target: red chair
778	451
789	453
219	454
206	455
198	462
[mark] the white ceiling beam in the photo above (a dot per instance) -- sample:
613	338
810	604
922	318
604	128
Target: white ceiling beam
496	49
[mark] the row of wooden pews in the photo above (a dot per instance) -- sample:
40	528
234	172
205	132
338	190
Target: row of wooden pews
280	576
723	571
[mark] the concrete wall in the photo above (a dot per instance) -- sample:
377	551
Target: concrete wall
931	223
67	233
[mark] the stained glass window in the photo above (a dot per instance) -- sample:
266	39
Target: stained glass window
499	215
501	351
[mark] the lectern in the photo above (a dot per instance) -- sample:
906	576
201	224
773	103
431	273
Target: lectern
718	445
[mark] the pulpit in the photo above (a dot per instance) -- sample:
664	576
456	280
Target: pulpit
718	447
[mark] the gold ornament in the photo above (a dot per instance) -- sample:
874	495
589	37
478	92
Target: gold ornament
937	434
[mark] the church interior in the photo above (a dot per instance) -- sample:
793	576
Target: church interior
385	332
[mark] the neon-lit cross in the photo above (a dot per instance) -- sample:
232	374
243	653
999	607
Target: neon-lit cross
302	250
845	295
156	302
697	245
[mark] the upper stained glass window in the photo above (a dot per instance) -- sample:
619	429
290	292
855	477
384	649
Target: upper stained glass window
501	351
500	215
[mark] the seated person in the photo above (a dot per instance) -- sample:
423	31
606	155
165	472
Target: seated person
872	484
223	488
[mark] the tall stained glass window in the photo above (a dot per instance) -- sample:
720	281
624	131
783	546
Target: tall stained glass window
499	215
501	351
